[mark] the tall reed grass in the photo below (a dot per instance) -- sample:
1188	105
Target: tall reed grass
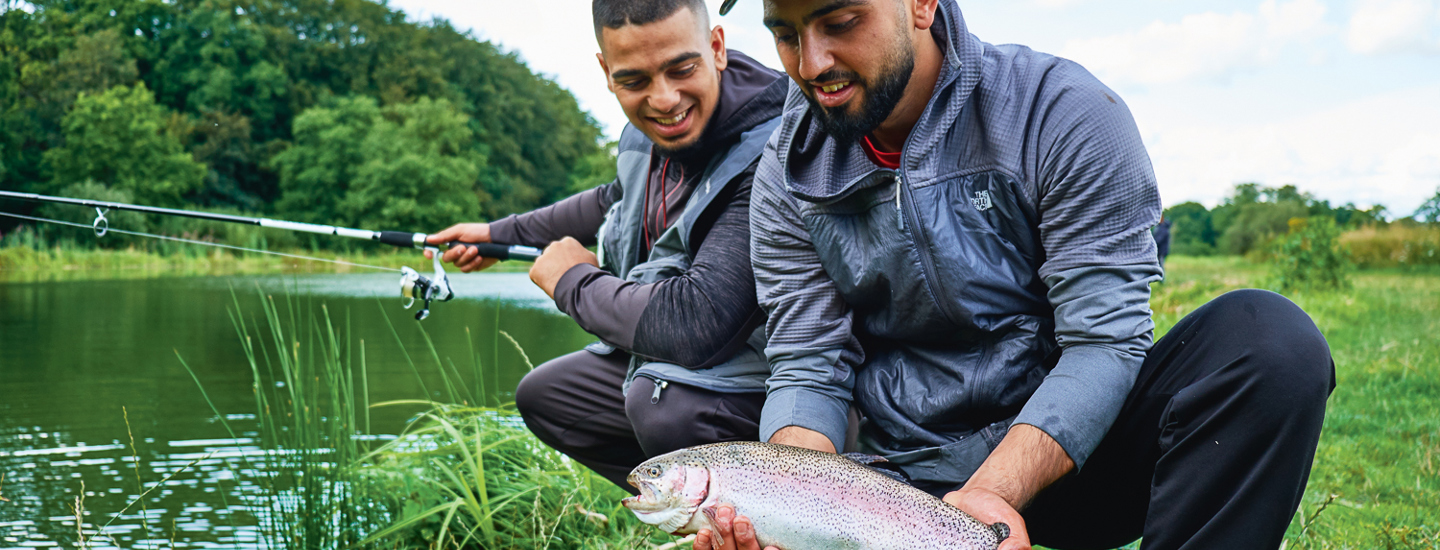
465	474
311	404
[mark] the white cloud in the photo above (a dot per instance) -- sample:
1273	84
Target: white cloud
1201	46
1386	26
1383	149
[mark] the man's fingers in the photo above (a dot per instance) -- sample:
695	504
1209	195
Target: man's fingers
445	235
452	255
745	535
702	540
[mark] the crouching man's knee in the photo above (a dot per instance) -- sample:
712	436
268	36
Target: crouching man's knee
679	416
1279	348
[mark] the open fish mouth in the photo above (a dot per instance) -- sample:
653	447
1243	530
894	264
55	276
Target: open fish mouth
646	502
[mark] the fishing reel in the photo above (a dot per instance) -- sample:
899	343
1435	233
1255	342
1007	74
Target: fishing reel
414	286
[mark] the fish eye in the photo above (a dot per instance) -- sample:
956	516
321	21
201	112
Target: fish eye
653	471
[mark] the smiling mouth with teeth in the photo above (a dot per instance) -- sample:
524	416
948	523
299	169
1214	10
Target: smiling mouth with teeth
675	120
834	87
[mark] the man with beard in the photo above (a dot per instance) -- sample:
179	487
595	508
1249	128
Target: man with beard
671	294
954	237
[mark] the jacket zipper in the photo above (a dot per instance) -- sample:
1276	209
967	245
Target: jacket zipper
922	248
659	385
899	212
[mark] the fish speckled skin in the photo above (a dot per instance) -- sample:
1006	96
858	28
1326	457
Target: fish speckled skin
800	499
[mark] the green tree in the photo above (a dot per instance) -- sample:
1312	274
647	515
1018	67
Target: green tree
594	170
1191	231
420	173
316	171
1429	212
407	166
237	75
119	138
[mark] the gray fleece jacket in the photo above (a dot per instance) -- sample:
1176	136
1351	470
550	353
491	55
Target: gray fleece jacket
999	276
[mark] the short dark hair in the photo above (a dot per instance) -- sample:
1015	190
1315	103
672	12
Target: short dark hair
618	13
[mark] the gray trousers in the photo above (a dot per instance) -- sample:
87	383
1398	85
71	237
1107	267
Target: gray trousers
573	403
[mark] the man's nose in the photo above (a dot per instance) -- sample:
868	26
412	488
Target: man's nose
664	96
815	56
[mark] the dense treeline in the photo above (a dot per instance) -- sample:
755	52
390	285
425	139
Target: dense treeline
339	111
1251	216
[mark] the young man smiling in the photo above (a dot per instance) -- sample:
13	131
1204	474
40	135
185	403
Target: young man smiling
954	237
671	294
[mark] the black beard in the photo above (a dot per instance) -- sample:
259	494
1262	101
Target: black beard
880	99
686	151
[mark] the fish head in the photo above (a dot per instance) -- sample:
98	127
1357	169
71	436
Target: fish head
672	488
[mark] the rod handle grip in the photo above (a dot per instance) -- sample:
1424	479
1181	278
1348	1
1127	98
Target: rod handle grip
401	239
501	251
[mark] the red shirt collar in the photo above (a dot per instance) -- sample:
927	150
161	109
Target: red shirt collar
881	159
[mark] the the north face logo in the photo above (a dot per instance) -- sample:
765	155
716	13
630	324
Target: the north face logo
982	201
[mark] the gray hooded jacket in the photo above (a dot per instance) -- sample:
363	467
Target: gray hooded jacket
1000	275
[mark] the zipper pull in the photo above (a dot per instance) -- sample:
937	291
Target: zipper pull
899	214
659	385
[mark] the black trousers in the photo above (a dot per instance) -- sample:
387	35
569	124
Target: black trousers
573	404
1213	446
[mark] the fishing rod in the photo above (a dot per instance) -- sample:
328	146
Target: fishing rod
413	285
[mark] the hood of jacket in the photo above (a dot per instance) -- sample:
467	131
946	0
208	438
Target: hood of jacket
820	169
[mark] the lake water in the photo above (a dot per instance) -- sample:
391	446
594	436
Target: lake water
77	356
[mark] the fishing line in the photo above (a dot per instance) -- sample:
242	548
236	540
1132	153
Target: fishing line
107	229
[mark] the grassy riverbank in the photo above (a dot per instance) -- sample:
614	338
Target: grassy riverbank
1376	478
470	470
73	263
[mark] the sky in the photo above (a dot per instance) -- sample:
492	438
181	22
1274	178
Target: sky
1340	98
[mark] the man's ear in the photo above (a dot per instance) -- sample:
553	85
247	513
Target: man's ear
924	13
610	84
717	44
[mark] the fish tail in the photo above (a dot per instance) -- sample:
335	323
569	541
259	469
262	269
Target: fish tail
1002	531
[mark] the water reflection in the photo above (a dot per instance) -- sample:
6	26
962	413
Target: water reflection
72	354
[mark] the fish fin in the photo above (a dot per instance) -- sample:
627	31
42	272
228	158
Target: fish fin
1001	530
880	464
715	541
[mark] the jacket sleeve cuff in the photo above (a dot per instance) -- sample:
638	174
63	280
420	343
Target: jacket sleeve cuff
566	289
806	408
1081	397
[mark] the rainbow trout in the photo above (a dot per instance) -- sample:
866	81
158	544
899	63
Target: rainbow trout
800	499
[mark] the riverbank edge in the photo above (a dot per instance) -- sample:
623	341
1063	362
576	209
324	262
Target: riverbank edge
28	264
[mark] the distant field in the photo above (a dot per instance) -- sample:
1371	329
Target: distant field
1376	479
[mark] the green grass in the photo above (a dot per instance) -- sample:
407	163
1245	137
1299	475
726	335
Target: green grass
474	477
1376	478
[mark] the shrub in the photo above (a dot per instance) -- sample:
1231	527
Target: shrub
1395	245
1310	256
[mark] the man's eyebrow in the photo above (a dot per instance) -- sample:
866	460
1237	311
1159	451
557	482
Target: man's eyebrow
822	11
626	73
